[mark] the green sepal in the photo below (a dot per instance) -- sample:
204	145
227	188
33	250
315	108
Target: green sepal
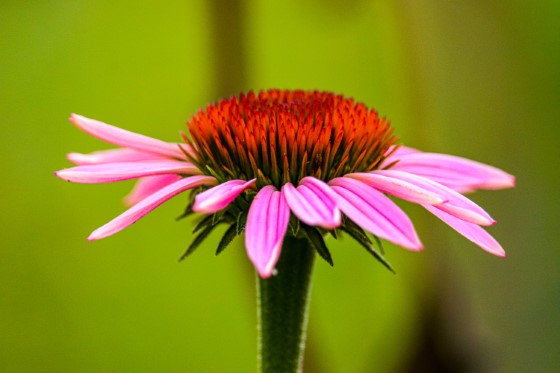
234	229
198	240
188	209
294	225
244	200
334	233
208	220
359	235
219	216
230	234
316	239
379	244
186	213
241	222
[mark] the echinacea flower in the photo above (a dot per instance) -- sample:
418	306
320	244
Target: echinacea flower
290	162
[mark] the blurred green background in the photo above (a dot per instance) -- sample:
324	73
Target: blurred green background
473	78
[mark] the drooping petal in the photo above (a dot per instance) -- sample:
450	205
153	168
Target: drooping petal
455	172
398	188
320	188
395	155
127	139
403	150
310	207
111	172
143	207
471	231
147	186
218	197
455	203
267	223
375	212
111	155
324	191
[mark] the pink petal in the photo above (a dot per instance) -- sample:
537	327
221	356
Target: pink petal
328	196
267	223
127	139
455	172
218	197
111	172
310	207
403	150
397	154
110	156
471	231
398	188
455	203
375	212
147	186
143	207
320	188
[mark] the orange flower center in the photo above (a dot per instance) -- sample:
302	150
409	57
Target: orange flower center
281	136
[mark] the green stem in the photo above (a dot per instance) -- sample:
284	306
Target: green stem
283	301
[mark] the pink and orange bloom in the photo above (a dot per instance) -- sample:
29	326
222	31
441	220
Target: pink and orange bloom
290	162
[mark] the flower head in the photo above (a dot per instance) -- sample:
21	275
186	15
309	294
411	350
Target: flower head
290	162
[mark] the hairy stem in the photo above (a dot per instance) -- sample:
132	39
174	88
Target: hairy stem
283	302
